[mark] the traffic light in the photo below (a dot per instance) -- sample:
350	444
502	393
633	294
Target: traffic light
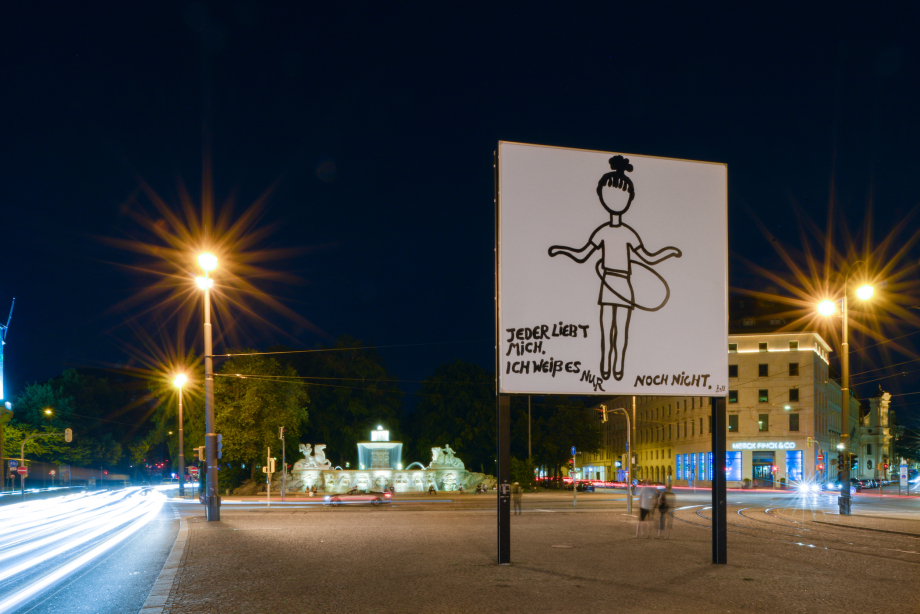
199	452
604	409
840	462
808	442
68	435
854	461
281	431
220	445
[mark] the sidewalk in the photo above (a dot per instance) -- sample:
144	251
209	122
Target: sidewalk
393	561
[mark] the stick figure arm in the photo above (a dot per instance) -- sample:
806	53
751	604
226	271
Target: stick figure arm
578	255
651	258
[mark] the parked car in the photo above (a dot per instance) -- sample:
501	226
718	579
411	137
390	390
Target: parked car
353	497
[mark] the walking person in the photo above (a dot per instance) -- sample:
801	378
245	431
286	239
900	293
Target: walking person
648	497
667	501
516	495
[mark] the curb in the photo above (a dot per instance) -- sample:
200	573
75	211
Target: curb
156	600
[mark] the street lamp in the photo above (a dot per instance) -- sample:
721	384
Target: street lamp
208	262
48	411
179	382
827	308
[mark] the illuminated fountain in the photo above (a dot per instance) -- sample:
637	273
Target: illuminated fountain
380	467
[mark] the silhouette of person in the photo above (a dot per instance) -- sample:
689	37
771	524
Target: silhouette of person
620	247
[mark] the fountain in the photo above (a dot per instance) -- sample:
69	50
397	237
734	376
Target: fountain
380	467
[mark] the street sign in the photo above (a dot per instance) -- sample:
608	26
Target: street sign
193	471
594	248
22	470
14	463
573	450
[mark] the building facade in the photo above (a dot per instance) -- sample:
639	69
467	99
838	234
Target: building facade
783	415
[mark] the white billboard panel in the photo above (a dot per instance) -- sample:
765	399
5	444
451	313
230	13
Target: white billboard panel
613	273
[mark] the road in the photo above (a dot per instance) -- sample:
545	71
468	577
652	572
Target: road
134	530
99	552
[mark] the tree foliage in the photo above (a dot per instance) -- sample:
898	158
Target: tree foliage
351	392
456	406
253	398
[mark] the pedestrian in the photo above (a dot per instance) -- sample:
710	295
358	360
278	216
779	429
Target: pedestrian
431	490
666	502
516	495
648	497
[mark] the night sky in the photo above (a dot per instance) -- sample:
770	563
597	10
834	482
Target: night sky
376	123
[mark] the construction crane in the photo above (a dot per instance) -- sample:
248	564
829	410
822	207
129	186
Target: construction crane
3	330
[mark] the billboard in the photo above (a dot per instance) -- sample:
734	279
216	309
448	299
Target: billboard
612	273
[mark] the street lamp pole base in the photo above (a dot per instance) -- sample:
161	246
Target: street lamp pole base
843	502
213	508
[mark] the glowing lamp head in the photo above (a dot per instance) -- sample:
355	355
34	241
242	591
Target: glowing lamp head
827	308
865	292
48	411
207	261
180	380
204	282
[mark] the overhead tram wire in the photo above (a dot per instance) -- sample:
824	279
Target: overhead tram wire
346	349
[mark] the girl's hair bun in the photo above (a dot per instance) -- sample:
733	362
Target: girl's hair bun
620	164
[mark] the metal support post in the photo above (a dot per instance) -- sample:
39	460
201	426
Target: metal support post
212	501
719	500
181	450
503	432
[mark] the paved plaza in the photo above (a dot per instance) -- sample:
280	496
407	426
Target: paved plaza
433	558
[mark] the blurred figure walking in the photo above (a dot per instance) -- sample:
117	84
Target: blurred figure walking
648	499
667	501
516	495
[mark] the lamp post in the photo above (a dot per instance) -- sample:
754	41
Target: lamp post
827	308
179	382
208	263
628	459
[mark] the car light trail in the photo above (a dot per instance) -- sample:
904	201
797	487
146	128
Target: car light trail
99	522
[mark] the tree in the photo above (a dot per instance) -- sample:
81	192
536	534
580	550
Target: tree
351	392
558	423
456	406
254	395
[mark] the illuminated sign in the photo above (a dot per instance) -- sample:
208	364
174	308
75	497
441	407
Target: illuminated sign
764	445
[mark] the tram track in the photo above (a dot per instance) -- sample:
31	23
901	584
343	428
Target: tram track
838	538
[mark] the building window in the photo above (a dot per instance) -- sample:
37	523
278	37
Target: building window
793	422
733	423
733	466
732	347
793	395
763	370
732	396
794	465
710	423
762	346
692	429
868	464
869	450
763	396
794	346
733	370
763	422
793	369
669	432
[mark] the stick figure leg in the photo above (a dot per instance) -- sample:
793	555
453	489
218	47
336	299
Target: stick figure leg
608	329
620	337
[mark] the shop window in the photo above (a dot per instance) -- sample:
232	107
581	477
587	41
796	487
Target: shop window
733	423
732	347
733	370
793	422
763	396
710	466
678	467
793	395
763	370
793	369
794	346
794	465
733	466
732	396
762	346
763	422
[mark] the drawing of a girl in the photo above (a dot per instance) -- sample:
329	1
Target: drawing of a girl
620	247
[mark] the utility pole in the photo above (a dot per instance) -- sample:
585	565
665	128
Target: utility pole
529	452
283	461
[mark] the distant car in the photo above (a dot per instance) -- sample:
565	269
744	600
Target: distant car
353	497
585	486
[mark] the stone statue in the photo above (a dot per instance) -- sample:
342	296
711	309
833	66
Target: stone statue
444	457
317	460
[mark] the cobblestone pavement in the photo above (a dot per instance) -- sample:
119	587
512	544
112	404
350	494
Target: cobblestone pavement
392	560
